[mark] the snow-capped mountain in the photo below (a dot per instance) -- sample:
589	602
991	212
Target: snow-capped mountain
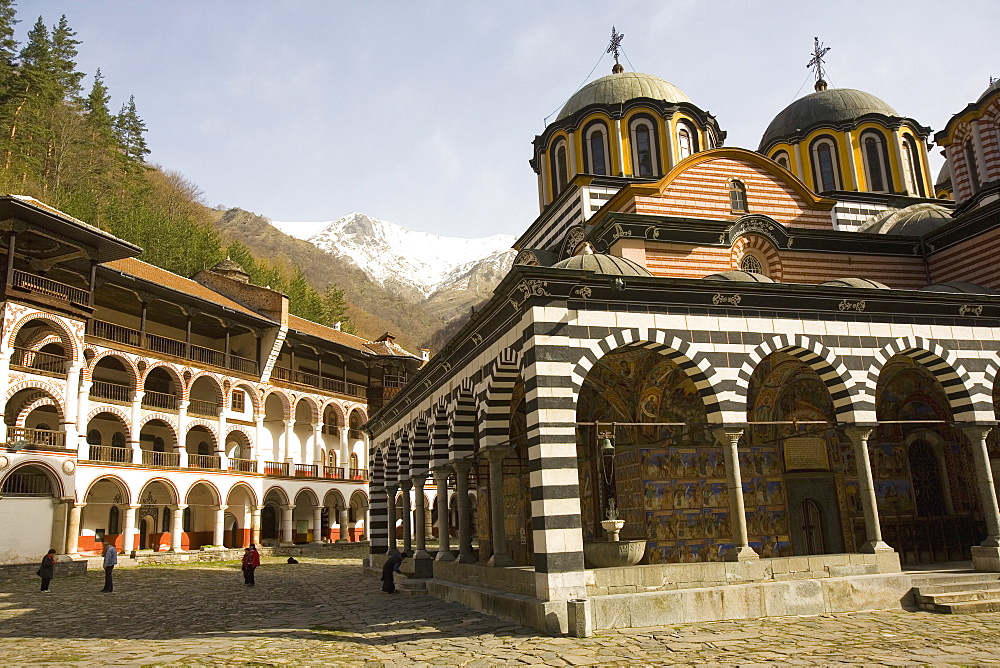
408	261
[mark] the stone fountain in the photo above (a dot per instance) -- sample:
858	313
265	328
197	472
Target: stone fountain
613	552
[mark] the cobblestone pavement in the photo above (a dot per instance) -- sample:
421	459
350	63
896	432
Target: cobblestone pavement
325	611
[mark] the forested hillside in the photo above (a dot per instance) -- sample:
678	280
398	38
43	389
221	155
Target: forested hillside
61	143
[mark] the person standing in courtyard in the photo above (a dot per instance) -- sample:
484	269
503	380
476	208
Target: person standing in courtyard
46	570
110	561
390	567
251	560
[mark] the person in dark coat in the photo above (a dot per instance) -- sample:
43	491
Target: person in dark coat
46	570
251	560
391	566
110	561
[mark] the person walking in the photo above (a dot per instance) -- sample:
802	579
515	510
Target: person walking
110	561
46	570
391	566
251	560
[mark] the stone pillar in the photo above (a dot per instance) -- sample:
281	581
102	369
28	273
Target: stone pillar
405	486
258	444
498	534
986	555
318	447
220	525
4	384
73	529
741	551
345	453
462	468
317	525
873	528
82	408
182	420
255	525
287	536
133	435
343	520
72	395
390	492
177	528
420	517
128	538
444	539
288	450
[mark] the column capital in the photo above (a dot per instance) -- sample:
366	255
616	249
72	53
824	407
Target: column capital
419	479
976	432
859	432
219	508
729	434
134	506
406	485
463	465
179	506
288	506
497	452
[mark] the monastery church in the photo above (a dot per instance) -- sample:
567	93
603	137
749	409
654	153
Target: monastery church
770	373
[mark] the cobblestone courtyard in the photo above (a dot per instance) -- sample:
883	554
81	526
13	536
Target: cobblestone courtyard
328	612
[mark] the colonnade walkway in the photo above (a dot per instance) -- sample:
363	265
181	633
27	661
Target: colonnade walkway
326	612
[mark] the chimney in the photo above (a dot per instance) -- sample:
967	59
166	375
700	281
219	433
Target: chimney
336	325
425	354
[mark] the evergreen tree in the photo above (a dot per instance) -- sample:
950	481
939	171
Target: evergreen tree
64	60
131	132
96	105
335	309
8	49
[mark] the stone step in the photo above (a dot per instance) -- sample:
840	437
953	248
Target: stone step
967	607
954	597
955	577
979	585
411	586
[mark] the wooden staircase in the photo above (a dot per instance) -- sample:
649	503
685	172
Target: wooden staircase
957	592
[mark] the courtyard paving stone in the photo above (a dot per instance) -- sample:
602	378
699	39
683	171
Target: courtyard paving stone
327	612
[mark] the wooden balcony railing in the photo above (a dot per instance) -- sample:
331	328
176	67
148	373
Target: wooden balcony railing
29	359
46	286
44	437
153	458
160	400
333	472
314	380
205	408
276	468
108	453
306	470
242	465
173	347
203	461
331	429
359	474
114	391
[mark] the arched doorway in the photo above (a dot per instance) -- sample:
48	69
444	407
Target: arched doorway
26	504
269	518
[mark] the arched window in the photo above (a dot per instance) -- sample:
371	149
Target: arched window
559	173
782	159
354	461
331	459
644	148
752	264
970	160
204	448
158	445
911	167
113	523
597	150
118	440
165	527
685	141
737	196
94	437
186	520
824	154
876	161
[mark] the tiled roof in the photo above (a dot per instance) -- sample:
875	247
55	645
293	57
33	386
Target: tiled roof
343	338
171	281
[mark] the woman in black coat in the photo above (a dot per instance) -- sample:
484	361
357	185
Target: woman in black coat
46	569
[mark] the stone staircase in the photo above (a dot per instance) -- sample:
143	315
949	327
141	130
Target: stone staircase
956	592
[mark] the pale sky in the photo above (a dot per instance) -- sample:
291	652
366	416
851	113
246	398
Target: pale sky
422	113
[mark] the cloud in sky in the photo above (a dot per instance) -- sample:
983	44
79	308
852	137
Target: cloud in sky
423	113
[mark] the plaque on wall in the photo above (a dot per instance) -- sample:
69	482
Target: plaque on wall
806	453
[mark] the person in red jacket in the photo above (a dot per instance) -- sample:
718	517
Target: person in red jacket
251	560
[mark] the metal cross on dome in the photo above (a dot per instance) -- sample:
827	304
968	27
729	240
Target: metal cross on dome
616	42
817	58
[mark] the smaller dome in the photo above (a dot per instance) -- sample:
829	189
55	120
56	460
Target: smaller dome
739	277
831	106
959	287
992	88
599	263
617	88
944	176
231	269
914	220
857	283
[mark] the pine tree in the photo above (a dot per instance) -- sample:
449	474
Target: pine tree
96	106
131	132
63	60
335	309
8	49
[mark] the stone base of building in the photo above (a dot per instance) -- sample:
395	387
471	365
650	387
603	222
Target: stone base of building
986	559
683	593
64	566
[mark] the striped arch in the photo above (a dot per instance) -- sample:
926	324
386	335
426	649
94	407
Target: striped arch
113	410
220	395
337	499
169	368
71	344
405	455
392	463
760	246
308	491
207	483
249	491
439	436
129	364
699	370
54	392
169	420
462	425
847	399
945	367
54	478
280	491
357	408
166	483
359	499
286	401
421	448
246	431
115	479
251	392
26	409
212	427
315	416
495	415
337	409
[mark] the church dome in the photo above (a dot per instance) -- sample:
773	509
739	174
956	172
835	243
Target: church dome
739	277
854	282
959	287
992	88
599	263
825	107
615	89
913	221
